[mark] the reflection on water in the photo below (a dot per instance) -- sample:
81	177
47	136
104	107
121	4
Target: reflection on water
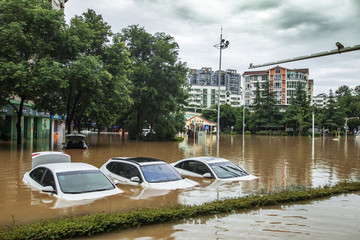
279	162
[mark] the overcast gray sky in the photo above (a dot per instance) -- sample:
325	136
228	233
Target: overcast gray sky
259	31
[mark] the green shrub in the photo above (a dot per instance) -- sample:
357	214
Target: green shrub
179	139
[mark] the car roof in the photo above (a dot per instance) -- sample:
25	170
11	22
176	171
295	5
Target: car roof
75	136
46	157
68	167
207	159
141	161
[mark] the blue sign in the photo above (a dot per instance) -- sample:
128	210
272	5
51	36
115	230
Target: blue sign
206	127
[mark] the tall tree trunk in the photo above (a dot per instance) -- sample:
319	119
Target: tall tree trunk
138	123
70	113
18	123
68	125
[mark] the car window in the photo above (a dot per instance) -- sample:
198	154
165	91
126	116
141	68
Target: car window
76	182
110	166
48	179
160	173
228	170
201	168
37	174
186	165
131	171
117	168
120	169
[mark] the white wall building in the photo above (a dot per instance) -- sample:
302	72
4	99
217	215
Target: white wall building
321	100
58	4
206	96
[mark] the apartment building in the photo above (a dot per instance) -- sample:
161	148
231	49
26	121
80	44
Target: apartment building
321	100
58	4
207	77
204	87
203	96
282	81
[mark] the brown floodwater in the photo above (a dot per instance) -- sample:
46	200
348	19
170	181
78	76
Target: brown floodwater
279	162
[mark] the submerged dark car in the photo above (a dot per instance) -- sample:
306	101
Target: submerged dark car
75	141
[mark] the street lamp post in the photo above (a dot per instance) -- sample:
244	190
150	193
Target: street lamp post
221	45
313	132
346	120
243	118
243	125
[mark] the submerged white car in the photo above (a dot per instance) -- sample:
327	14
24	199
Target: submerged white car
146	172
55	174
211	167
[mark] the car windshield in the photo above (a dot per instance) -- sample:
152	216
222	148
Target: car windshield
160	173
227	170
75	182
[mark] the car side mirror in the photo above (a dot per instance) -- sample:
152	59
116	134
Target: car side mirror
116	182
207	175
135	179
48	189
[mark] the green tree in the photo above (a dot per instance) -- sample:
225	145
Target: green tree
357	91
259	115
299	114
30	39
343	91
348	100
210	115
112	100
292	116
266	114
333	117
159	80
227	117
345	99
239	119
95	84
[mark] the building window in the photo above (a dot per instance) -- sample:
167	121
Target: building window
278	70
277	77
277	85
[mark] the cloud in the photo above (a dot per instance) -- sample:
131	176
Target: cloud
258	5
259	31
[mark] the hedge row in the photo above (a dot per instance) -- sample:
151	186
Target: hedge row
69	227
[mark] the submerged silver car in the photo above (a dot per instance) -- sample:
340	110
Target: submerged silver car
146	172
211	167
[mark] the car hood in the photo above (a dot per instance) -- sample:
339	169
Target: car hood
90	195
179	184
248	177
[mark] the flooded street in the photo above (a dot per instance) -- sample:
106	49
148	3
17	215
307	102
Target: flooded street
279	162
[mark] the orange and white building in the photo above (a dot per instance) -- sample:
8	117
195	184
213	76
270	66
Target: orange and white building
282	81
